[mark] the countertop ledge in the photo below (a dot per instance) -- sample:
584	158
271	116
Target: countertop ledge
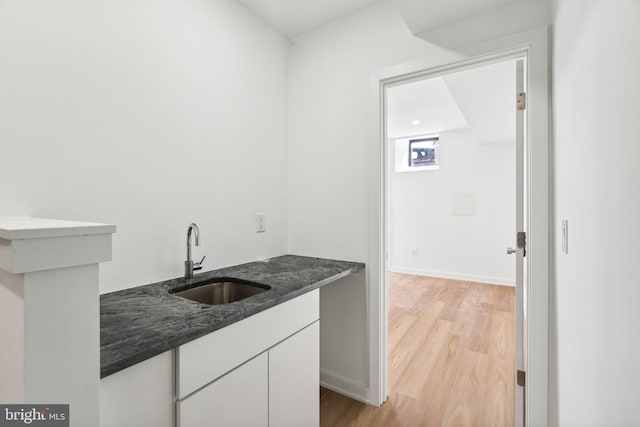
139	323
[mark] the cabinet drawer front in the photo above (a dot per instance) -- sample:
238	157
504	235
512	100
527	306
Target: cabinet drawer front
203	360
239	399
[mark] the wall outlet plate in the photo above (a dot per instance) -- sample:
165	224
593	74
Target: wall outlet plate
261	224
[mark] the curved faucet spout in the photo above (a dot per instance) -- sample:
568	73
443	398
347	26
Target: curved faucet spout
193	227
189	265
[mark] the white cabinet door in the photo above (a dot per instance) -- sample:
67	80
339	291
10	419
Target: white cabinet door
294	380
141	395
238	399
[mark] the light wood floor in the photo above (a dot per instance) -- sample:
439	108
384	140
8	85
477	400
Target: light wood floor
451	358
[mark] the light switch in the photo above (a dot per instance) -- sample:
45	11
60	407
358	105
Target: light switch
565	236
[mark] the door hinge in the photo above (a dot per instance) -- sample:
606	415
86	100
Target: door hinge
521	239
521	101
521	378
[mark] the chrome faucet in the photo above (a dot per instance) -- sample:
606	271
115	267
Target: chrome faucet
189	265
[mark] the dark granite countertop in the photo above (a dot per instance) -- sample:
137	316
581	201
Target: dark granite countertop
139	323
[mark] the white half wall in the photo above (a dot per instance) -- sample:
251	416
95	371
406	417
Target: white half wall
148	115
432	232
12	352
595	313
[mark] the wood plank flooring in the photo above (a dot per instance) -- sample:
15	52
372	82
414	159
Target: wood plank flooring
451	358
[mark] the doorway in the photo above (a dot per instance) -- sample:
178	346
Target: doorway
451	156
464	204
532	45
454	204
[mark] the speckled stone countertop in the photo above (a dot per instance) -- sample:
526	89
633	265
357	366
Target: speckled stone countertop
139	323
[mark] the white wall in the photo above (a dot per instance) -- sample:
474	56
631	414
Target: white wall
148	115
329	138
422	219
597	171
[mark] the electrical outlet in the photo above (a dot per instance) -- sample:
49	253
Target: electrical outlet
261	225
414	252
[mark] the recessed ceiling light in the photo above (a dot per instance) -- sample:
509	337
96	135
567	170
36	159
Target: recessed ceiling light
415	122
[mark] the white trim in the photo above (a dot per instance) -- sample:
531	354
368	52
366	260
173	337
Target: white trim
344	386
419	169
532	44
487	280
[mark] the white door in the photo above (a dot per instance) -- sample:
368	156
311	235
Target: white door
520	251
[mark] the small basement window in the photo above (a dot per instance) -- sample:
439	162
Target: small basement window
420	153
423	152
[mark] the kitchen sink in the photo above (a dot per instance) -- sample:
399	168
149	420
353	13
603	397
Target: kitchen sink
222	291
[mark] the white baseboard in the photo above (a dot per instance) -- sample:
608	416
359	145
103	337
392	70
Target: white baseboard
345	387
455	276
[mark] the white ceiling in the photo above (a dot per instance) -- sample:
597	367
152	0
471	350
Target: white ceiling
293	17
481	99
428	101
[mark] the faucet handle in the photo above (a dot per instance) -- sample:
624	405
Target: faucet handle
198	265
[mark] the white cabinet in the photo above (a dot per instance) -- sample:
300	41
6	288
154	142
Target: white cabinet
141	395
294	380
261	371
238	399
278	388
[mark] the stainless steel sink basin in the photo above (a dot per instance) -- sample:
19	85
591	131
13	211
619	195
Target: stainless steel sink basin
222	291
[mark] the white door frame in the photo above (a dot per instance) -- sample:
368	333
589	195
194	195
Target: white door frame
533	45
